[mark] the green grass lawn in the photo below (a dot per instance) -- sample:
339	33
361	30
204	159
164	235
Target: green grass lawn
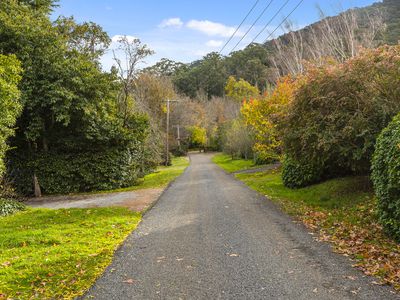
342	211
58	254
340	193
232	165
164	175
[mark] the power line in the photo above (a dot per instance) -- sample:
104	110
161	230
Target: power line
283	21
237	29
270	21
252	25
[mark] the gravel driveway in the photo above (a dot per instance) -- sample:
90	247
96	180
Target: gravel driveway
211	237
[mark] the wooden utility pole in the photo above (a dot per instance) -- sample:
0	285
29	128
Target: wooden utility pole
178	135
166	137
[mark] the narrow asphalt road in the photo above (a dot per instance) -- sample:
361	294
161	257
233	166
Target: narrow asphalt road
210	237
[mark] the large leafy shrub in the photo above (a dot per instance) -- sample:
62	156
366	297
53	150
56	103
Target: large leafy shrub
386	177
339	110
75	133
297	174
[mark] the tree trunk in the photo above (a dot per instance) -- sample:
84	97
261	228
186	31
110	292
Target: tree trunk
37	190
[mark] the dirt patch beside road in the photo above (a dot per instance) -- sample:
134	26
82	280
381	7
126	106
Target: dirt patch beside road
137	200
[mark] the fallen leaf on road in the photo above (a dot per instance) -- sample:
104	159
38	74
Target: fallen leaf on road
233	255
129	281
315	290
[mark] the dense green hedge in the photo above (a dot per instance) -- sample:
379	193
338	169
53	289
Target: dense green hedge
386	177
296	174
97	169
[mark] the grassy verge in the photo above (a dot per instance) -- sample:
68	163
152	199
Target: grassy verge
158	179
343	212
58	254
232	165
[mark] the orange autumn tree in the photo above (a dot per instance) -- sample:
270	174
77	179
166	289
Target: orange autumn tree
266	114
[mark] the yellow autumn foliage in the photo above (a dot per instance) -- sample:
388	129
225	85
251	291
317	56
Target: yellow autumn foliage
266	114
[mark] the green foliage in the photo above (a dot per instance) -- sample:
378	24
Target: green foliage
9	207
72	172
299	174
165	67
339	110
391	9
58	254
252	64
87	38
210	74
207	75
161	176
386	177
240	90
10	106
72	133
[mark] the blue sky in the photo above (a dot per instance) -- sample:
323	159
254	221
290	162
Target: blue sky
185	30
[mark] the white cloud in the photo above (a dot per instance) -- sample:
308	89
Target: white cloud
214	43
211	28
172	22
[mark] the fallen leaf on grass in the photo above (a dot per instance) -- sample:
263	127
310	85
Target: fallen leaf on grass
6	264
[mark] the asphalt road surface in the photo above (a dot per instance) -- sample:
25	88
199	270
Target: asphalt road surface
211	237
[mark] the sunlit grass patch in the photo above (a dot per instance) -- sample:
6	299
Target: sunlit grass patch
232	165
58	254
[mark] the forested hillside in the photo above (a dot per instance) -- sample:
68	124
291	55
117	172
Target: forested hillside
339	37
